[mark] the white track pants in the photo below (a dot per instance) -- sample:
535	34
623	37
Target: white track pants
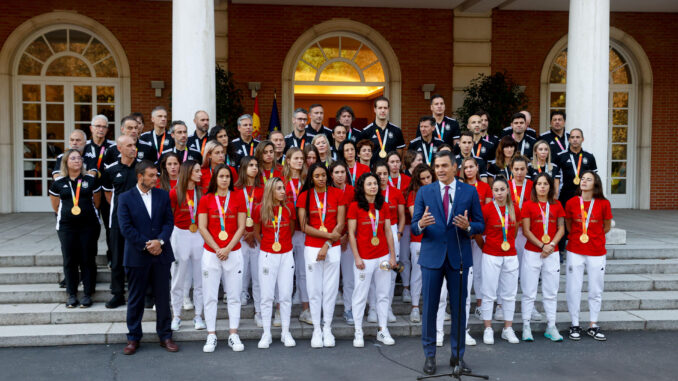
229	271
520	247
595	268
322	282
405	256
188	250
300	269
276	270
364	279
250	271
549	268
499	273
415	278
347	279
477	270
372	300
442	305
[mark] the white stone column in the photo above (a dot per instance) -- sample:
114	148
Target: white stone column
193	62
587	76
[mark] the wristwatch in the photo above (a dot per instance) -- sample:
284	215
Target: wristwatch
468	229
162	243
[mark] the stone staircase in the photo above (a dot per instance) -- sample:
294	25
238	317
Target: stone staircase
641	292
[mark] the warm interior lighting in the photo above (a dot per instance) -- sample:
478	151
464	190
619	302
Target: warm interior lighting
365	91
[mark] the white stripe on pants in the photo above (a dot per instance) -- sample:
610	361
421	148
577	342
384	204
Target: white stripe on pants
300	268
214	271
415	278
250	270
188	250
372	274
549	268
347	279
372	300
442	306
405	256
595	268
276	270
501	272
322	282
477	253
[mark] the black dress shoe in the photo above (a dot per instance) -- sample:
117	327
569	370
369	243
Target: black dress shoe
62	283
149	302
86	302
464	368
116	301
72	301
430	365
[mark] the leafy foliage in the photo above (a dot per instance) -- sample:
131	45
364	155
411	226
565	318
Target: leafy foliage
229	101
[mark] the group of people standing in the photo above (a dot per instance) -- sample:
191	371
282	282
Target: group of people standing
303	217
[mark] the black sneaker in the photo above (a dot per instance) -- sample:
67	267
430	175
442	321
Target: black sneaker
72	301
596	333
575	333
116	301
62	283
86	302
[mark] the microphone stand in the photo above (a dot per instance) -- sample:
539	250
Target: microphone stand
456	372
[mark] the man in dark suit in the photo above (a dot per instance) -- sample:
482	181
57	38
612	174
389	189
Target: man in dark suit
447	212
146	220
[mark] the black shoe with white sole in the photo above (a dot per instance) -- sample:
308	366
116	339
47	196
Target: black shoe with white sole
72	301
596	333
575	333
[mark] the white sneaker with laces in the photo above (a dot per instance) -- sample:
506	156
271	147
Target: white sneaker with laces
448	317
391	316
287	339
210	344
265	341
305	317
415	316
470	341
553	334
499	313
488	336
235	343
188	304
509	335
198	323
372	316
440	338
257	319
407	296
385	337
536	316
328	337
317	338
527	332
176	324
277	322
358	341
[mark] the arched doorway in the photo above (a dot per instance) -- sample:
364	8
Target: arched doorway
629	129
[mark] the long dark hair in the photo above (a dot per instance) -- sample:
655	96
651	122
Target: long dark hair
230	154
213	186
415	183
506	141
242	173
343	144
309	185
334	165
597	186
360	193
164	177
552	192
185	172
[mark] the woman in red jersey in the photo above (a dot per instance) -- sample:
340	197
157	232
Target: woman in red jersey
355	169
169	171
268	167
213	156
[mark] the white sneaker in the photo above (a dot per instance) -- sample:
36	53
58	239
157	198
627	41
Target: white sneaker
210	344
407	296
235	343
225	299
448	317
317	338
527	333
478	314
488	336
358	341
328	337
499	313
296	299
277	322
244	298
287	339
198	323
305	317
440	338
391	316
176	324
470	341
188	304
536	316
509	335
257	319
415	316
265	341
372	316
385	337
553	334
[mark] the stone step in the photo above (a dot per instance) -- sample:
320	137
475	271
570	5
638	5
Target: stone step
642	251
43	274
115	333
44	258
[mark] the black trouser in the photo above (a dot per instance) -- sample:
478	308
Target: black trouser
155	275
117	254
79	249
105	210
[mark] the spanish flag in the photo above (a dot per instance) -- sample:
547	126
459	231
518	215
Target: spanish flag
256	122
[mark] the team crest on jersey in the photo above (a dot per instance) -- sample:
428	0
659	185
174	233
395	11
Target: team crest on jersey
140	155
447	127
85	185
569	269
166	141
390	135
434	149
483	149
90	154
585	160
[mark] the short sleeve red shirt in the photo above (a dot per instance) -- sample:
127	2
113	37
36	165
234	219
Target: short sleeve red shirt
410	202
596	231
208	205
493	231
334	200
395	198
255	194
518	190
355	172
484	191
268	232
182	216
364	234
267	175
207	176
401	182
533	211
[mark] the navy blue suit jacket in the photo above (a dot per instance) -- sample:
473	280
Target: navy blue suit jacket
138	228
440	240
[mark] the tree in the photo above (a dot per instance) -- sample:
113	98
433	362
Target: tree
229	101
498	95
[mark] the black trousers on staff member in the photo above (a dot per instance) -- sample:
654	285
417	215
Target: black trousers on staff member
117	254
154	276
79	250
105	211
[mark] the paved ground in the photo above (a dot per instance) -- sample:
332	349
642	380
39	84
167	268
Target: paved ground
625	356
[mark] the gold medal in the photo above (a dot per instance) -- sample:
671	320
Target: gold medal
576	180
223	235
193	228
384	266
584	238
375	241
546	238
276	246
249	222
505	246
382	154
323	229
75	210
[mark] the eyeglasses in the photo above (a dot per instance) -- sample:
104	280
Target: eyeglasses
100	126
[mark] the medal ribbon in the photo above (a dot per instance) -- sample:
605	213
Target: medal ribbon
222	212
248	200
185	153
387	193
276	221
251	147
162	143
504	220
382	145
522	192
427	155
390	181
440	131
576	170
202	147
192	204
295	191
101	156
76	194
353	173
560	145
374	222
585	216
263	175
480	145
545	217
321	206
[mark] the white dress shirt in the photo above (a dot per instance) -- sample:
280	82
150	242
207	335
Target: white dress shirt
453	188
146	198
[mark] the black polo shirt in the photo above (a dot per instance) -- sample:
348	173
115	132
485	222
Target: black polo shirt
64	188
92	152
156	141
242	148
117	179
448	130
291	140
427	149
323	130
494	171
144	151
391	136
484	149
196	143
353	135
554	172
526	146
529	131
482	165
556	146
189	153
568	161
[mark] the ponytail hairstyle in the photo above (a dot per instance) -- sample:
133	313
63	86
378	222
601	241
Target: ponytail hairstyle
550	195
509	199
360	193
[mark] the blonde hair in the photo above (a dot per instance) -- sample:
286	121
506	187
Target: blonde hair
209	147
535	160
63	170
287	170
268	200
328	159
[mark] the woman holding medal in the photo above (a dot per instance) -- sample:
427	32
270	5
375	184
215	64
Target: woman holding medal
169	171
249	184
500	166
544	226
401	181
75	196
354	168
500	264
588	218
211	158
221	221
321	217
268	167
273	226
187	243
374	253
542	162
521	188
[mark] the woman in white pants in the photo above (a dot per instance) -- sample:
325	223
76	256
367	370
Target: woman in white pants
588	217
500	263
221	220
321	217
187	243
371	240
544	226
401	181
273	226
250	185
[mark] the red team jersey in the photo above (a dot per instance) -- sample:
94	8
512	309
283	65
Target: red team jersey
268	232
596	232
267	175
207	176
313	215
354	173
364	234
533	211
182	217
208	205
395	198
484	191
493	231
256	194
410	202
518	191
401	182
